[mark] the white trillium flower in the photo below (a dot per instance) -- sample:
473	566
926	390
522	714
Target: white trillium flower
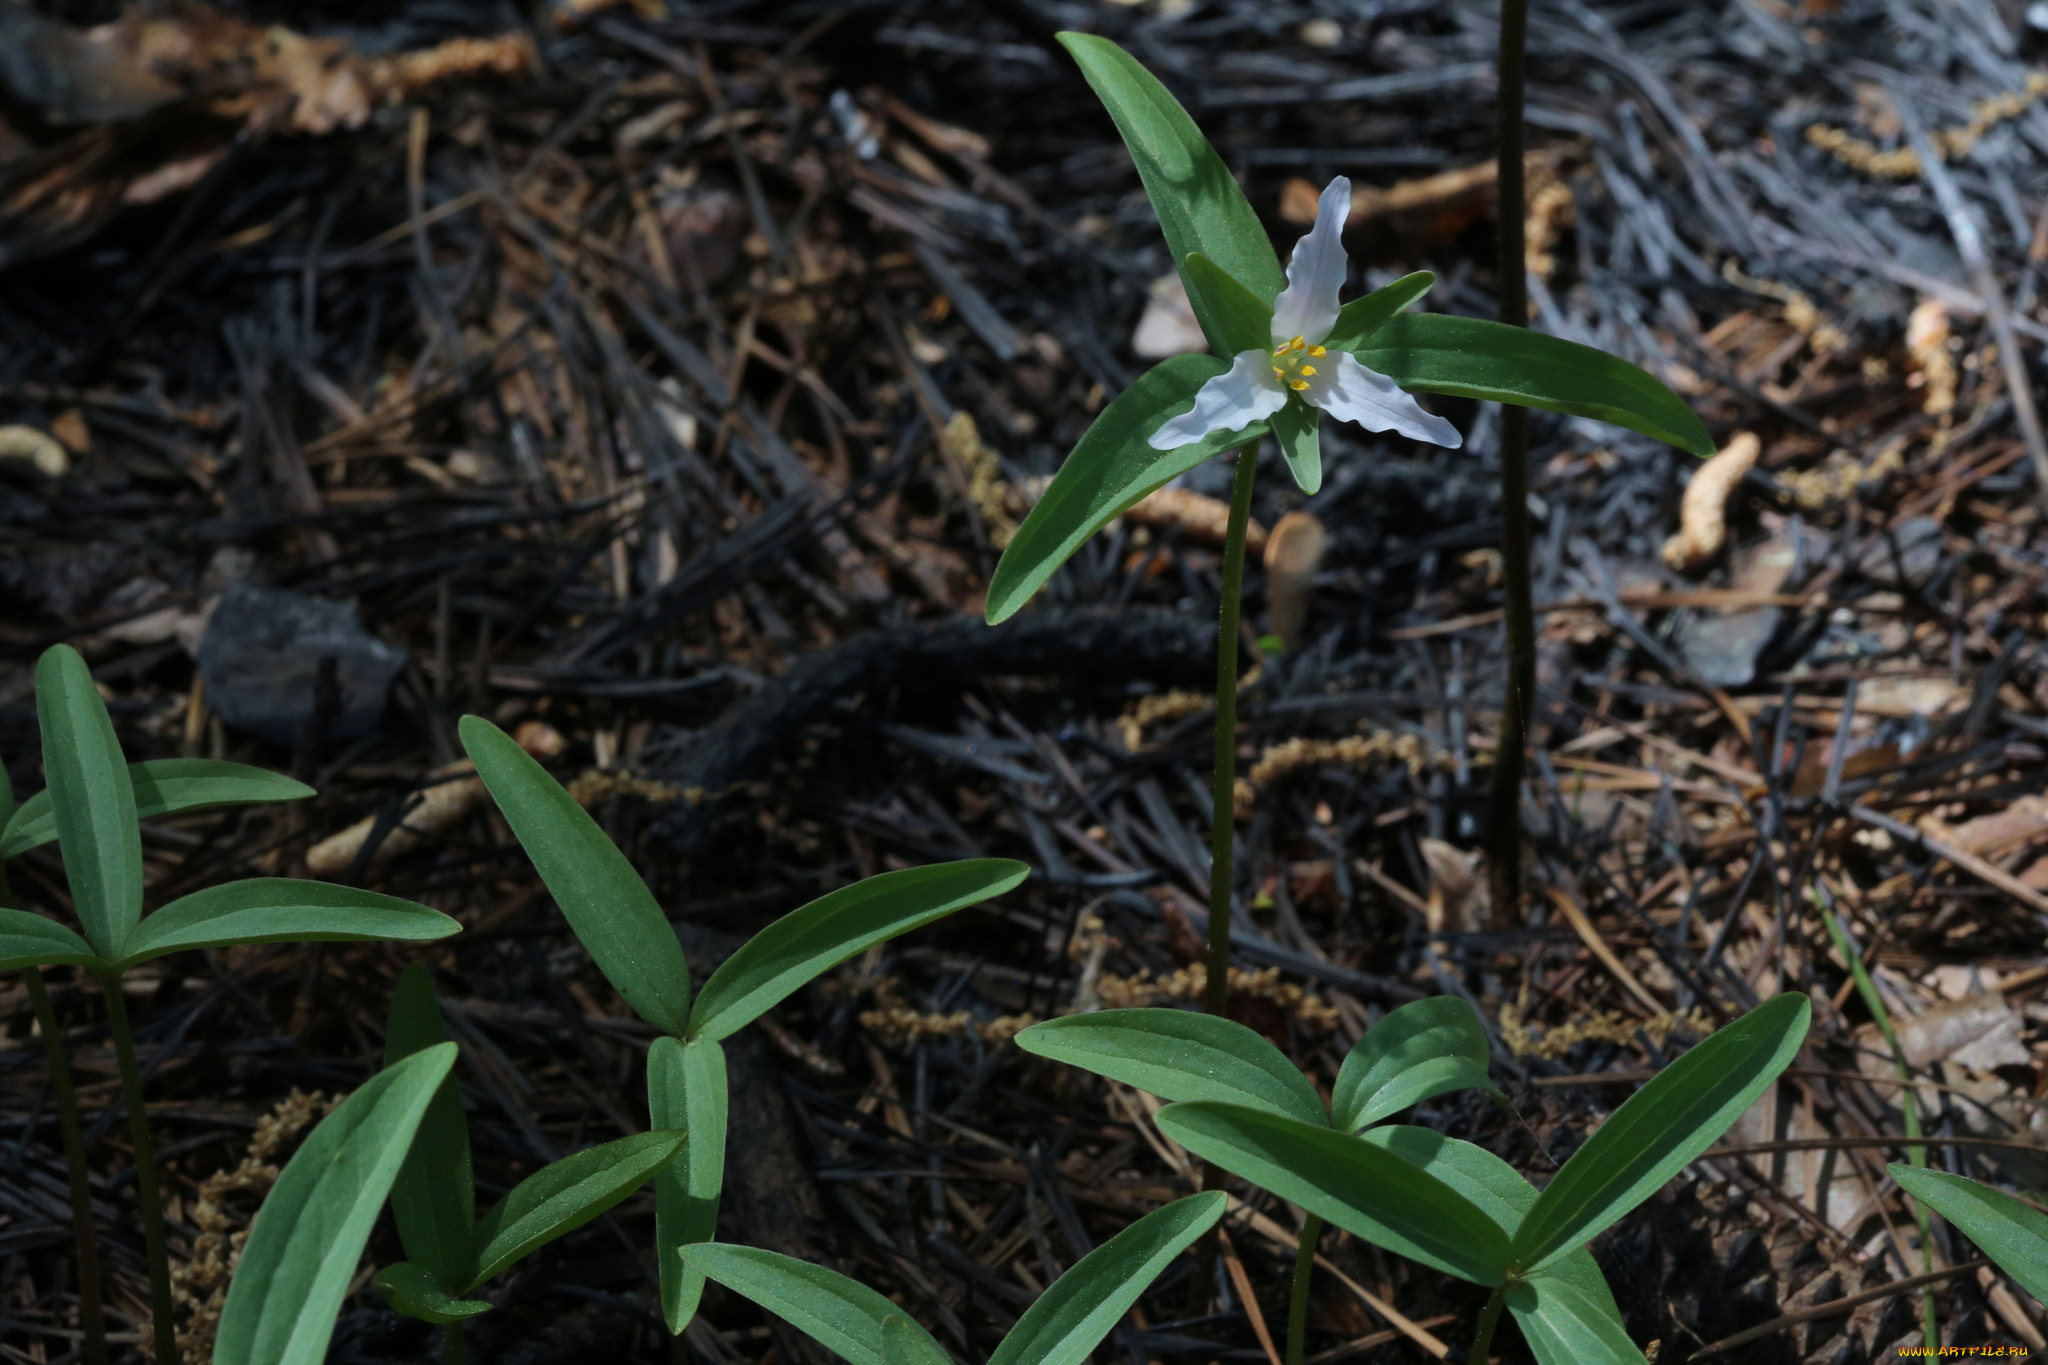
1261	382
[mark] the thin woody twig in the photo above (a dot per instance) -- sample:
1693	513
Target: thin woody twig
1835	1308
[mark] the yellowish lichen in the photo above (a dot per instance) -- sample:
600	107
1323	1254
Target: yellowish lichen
1371	749
1601	1026
1158	709
199	1284
598	785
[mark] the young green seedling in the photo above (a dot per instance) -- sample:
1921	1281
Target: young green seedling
308	1237
1909	1104
1422	1196
617	920
91	809
2013	1234
1067	1322
1417	1052
450	1254
1283	352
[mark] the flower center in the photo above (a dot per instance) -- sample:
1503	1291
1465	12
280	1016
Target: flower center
1291	363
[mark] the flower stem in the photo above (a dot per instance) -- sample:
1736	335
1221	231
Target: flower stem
1519	699
1223	832
66	1095
454	1345
1489	1317
1297	1303
147	1189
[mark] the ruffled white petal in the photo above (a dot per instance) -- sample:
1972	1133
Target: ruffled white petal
1352	393
1307	307
1231	401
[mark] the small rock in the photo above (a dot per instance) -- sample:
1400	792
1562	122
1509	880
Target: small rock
1168	326
260	660
1723	647
1905	558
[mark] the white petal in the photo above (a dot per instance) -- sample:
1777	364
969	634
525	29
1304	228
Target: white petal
1307	307
1377	403
1231	401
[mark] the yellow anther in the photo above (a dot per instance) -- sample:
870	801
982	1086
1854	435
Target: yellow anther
1296	344
1318	352
1277	373
1297	384
1307	370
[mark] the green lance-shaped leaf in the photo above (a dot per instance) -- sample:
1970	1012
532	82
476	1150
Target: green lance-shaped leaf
1361	1188
281	910
1297	430
686	1089
905	1343
1424	1049
1659	1130
410	1288
29	940
1360	318
2012	1234
163	786
1565	1327
1245	319
434	1198
832	928
564	1195
1473	358
1199	204
1111	468
308	1237
842	1315
1180	1055
1495	1189
92	800
610	909
1073	1316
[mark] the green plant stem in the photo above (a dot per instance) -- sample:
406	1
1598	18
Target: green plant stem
1916	1155
454	1345
91	1317
1297	1303
1223	832
66	1095
1519	697
1489	1318
147	1190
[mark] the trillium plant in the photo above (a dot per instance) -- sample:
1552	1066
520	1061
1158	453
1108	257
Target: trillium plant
1457	1208
1062	1327
1422	1050
630	939
92	810
1284	351
1298	376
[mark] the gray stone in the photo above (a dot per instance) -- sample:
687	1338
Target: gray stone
260	660
1904	558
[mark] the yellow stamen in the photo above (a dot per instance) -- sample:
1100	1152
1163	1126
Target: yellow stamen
1277	372
1296	344
1307	370
1318	352
1297	384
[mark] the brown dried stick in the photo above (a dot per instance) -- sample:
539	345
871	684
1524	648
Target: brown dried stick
451	793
